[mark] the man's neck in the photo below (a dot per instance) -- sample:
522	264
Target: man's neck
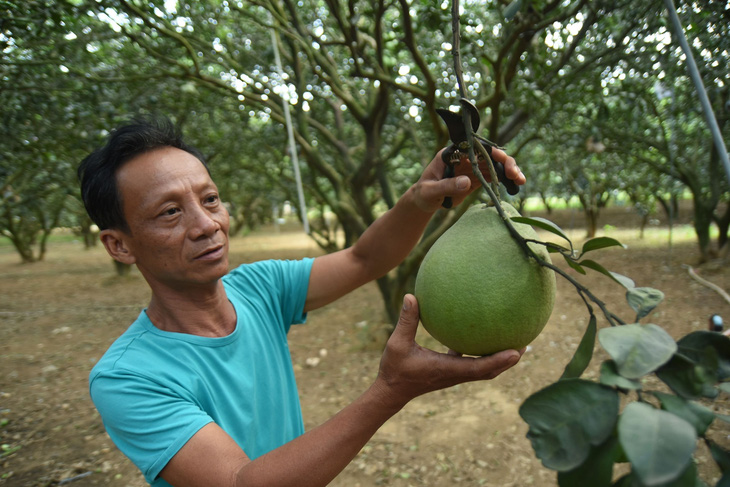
203	311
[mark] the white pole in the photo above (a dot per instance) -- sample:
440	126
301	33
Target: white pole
700	87
290	133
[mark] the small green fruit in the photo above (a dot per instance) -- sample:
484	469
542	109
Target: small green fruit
478	293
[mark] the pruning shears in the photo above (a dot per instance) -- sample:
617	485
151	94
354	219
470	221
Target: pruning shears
457	133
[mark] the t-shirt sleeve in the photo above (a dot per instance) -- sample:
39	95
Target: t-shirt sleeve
281	283
147	421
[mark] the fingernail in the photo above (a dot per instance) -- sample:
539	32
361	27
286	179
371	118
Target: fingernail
406	304
462	182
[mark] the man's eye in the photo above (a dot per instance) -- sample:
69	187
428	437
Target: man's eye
171	211
212	198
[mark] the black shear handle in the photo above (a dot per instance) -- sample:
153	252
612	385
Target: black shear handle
509	185
448	173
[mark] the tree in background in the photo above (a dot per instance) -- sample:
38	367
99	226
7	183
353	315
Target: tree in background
61	93
656	118
363	80
38	113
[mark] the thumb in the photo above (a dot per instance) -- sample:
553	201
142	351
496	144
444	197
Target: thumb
408	320
460	184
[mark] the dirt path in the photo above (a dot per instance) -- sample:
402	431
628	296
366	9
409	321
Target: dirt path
57	318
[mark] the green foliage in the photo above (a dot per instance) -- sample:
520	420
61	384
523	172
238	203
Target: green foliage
362	80
658	444
657	438
582	357
637	349
643	300
576	426
566	418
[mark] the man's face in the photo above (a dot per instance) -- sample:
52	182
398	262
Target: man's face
178	226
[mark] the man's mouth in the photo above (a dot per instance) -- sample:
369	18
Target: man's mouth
212	253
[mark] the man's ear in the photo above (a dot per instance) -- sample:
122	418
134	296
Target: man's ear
116	243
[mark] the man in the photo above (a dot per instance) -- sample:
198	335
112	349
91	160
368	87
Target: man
200	391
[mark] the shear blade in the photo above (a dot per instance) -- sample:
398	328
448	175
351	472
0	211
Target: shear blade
455	123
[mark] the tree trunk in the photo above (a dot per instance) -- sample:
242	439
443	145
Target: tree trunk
591	214
25	251
122	269
642	227
671	208
702	223
546	203
723	224
90	240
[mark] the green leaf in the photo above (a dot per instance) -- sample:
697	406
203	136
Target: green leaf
598	467
572	263
659	444
543	224
643	300
600	243
695	414
626	282
554	248
637	349
566	418
696	344
688	478
512	9
611	377
687	378
722	458
720	455
583	354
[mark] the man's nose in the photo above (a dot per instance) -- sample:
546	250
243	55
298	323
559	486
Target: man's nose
203	223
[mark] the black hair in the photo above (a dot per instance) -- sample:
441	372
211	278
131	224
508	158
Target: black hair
97	172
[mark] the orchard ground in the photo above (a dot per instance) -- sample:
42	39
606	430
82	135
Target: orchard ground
57	318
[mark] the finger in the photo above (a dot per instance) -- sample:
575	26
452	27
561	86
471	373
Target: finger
431	193
454	353
511	169
456	186
408	321
491	366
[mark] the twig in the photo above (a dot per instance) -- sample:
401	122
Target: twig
709	284
74	479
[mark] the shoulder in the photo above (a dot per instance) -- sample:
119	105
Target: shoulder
269	274
138	352
275	288
269	269
130	340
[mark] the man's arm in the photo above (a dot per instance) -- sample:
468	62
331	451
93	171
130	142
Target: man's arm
407	370
391	237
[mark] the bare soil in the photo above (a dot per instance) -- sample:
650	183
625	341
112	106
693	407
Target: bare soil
57	318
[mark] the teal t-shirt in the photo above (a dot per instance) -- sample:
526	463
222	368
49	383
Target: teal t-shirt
156	389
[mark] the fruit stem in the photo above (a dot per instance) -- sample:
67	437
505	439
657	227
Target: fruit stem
465	111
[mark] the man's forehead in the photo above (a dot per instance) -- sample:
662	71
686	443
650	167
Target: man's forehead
162	169
162	161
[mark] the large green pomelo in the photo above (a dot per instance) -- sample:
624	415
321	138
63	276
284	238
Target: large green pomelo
478	293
